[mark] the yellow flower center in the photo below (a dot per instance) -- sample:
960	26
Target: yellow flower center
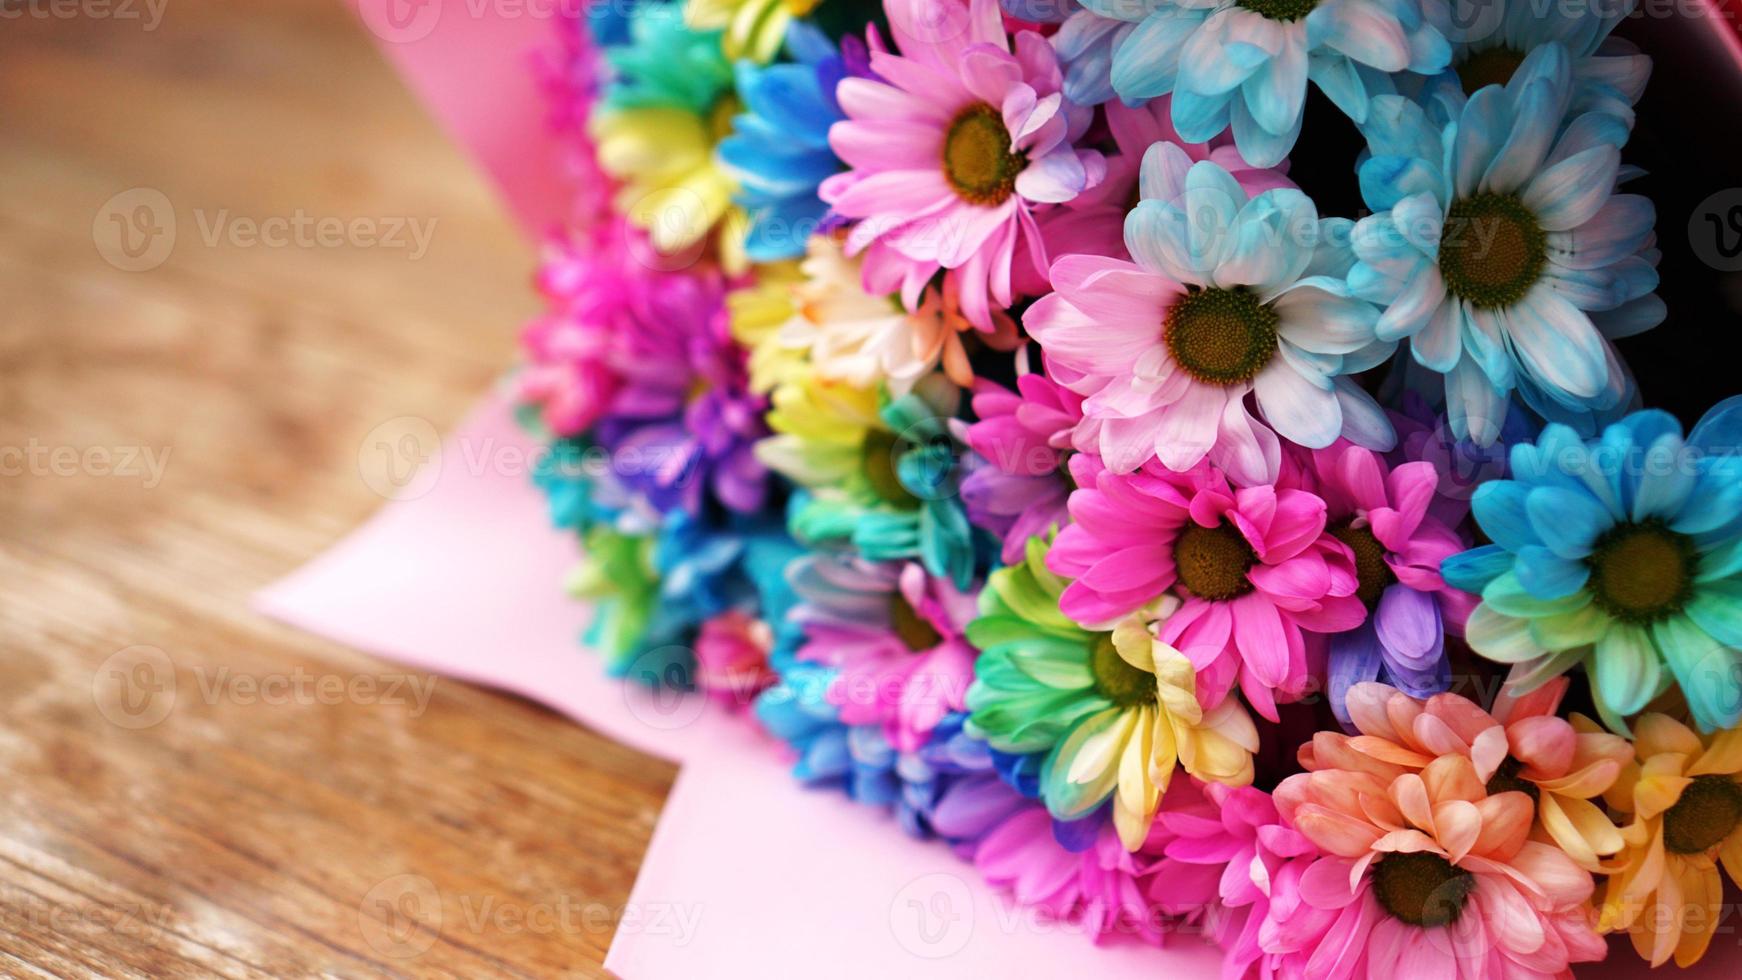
1492	250
1221	336
1707	813
877	460
1371	571
978	160
1642	572
1495	66
1422	889
1116	680
910	626
1213	562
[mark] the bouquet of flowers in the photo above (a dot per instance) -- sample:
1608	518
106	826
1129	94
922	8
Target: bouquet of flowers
982	397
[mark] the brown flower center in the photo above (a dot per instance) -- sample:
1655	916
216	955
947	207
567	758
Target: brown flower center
1494	66
1221	336
1642	572
877	460
1116	680
1506	779
1213	561
1371	571
978	160
1283	10
1492	250
1422	889
906	622
1707	813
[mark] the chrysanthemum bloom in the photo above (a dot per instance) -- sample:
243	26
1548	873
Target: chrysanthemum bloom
1246	65
1624	554
1686	803
732	657
1500	248
1233	847
895	635
884	479
683	426
953	148
1521	745
1022	438
1489	49
1256	568
1115	712
1229	296
758	307
779	147
854	337
1429	874
752	29
1382	516
669	101
588	294
1097	883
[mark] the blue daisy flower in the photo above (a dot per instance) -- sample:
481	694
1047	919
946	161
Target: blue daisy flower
1246	64
779	147
1622	553
1489	47
1500	248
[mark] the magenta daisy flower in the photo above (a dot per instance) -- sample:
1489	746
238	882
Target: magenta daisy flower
1257	572
894	633
1235	849
567	372
1023	436
1382	516
1230	300
952	147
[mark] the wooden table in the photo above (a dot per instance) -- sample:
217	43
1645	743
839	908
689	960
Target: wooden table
173	439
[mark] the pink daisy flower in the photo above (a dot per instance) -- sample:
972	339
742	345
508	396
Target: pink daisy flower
1228	296
732	658
568	373
1382	515
894	633
1023	436
952	147
1234	847
1256	570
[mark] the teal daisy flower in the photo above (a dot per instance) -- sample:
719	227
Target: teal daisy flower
1622	554
907	503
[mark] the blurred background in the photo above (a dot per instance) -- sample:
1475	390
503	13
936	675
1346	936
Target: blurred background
182	418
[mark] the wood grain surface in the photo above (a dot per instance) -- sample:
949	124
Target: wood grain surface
174	438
